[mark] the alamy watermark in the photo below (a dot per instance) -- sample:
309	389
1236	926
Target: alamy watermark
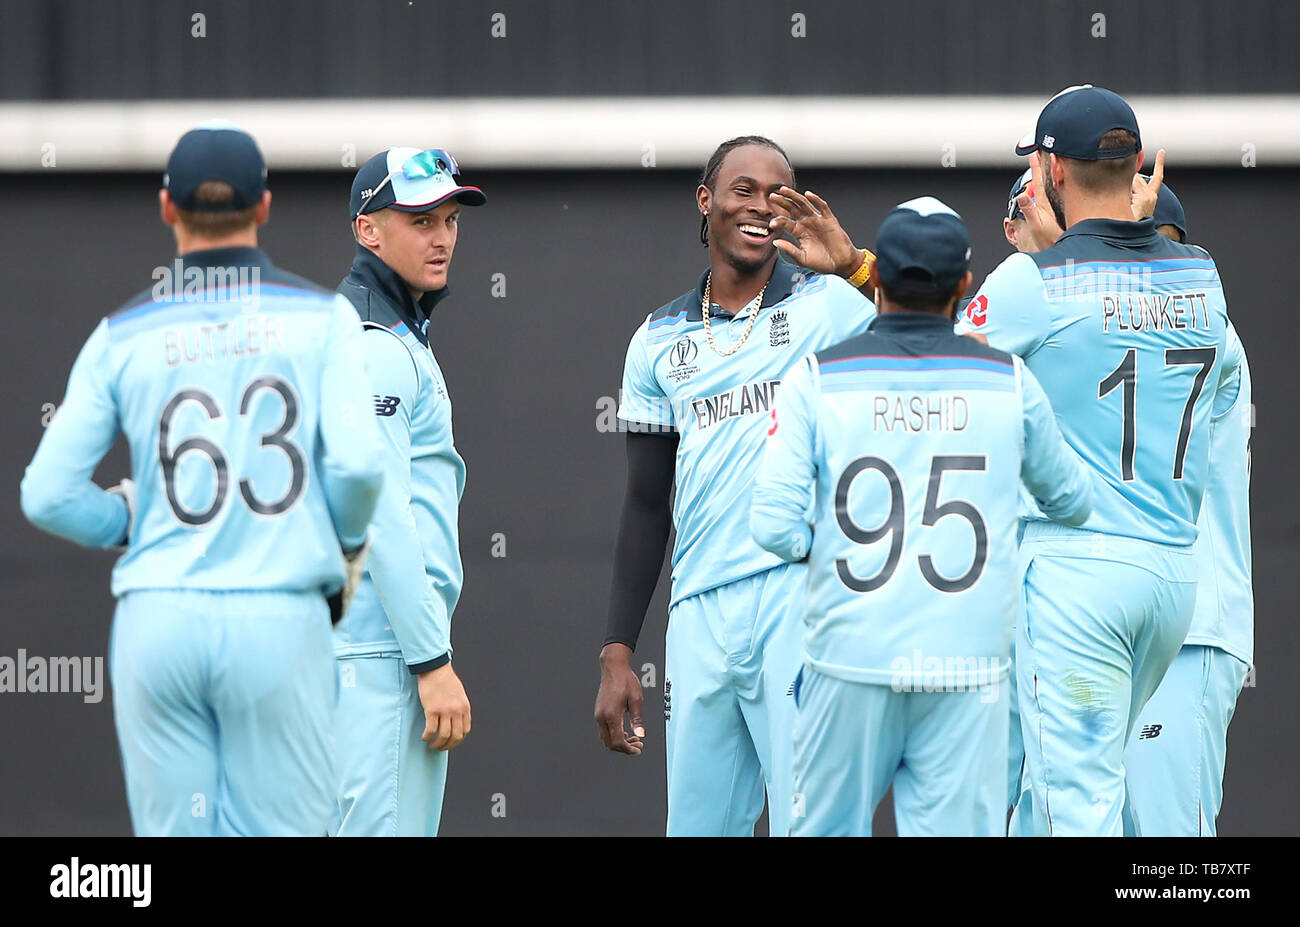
934	673
28	673
175	282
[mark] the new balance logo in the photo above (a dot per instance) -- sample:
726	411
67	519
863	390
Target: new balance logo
385	406
1149	731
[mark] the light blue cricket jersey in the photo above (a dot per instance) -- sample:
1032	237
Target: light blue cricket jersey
910	444
720	407
1225	601
1124	329
413	573
244	399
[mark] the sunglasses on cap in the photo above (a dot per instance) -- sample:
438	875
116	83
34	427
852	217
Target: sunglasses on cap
1013	207
433	164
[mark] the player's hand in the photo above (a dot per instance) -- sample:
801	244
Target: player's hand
446	708
354	566
1041	225
1146	192
620	694
126	491
820	244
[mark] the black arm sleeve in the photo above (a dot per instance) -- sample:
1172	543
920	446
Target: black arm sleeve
642	533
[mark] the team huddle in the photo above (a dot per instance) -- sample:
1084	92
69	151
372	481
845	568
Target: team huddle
990	551
1002	565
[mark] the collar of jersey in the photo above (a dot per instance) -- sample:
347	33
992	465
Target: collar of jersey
911	322
237	256
781	285
369	271
1112	228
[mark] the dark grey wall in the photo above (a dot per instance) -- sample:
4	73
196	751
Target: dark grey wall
586	256
134	49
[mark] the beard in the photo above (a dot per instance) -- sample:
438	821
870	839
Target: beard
746	264
1054	198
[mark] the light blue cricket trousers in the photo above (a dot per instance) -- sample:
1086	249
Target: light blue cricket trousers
224	707
732	656
944	752
1178	749
1103	618
390	783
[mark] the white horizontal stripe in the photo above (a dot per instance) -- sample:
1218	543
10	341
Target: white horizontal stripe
630	132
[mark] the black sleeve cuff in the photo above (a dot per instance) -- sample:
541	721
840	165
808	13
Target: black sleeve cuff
418	668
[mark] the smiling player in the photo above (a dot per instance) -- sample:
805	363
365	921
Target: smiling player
698	386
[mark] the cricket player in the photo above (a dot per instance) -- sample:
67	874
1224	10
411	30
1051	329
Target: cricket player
243	397
401	705
1126	332
1178	749
908	443
1028	238
700	378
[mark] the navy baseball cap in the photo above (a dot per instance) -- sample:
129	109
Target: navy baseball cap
922	249
1169	211
1073	122
410	180
1017	188
216	151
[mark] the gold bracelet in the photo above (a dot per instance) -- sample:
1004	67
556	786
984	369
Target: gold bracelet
864	271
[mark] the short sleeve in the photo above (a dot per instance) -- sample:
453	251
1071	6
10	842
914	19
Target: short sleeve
643	406
848	311
1011	308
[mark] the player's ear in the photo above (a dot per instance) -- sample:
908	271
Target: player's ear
962	287
166	208
1055	167
703	198
264	208
1009	230
366	231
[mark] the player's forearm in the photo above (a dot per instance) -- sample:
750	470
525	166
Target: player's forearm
353	451
638	559
777	523
70	506
90	516
1072	504
417	600
1058	479
351	495
643	530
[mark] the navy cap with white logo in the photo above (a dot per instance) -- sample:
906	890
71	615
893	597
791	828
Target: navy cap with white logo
1073	122
409	180
216	151
922	249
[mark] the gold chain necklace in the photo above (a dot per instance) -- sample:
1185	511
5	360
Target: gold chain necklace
707	309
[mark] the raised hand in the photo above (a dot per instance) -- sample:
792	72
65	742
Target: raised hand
1146	192
820	243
